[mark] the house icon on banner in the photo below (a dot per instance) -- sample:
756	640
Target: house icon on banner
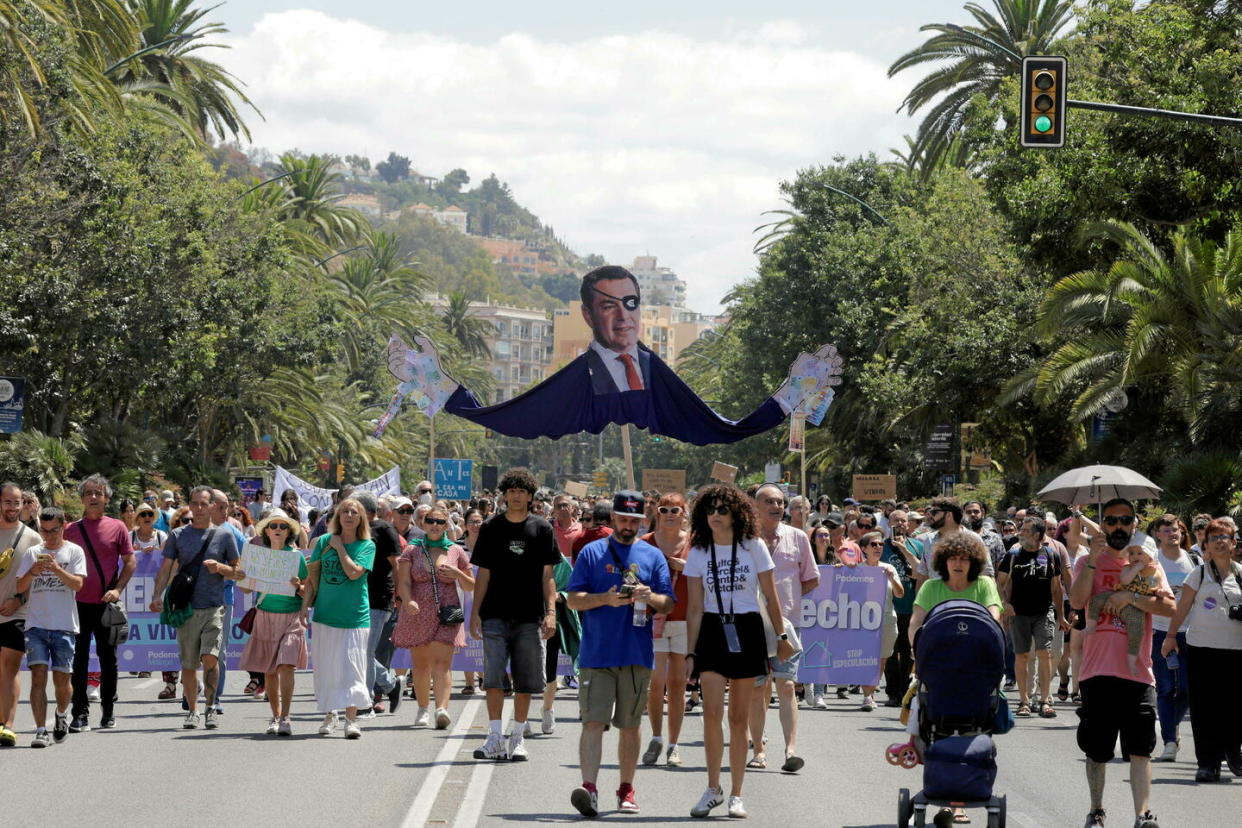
817	655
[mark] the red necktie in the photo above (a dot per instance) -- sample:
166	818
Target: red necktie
631	374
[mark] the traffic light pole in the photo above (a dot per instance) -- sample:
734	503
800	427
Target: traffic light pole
1154	113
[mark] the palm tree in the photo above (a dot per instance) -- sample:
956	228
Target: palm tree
977	59
311	195
470	331
196	89
1149	320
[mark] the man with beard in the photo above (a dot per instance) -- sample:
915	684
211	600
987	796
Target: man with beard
1118	698
945	516
612	579
973	514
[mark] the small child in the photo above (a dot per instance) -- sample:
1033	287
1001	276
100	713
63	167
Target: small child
1142	577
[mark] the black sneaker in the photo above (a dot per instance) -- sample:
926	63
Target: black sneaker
394	698
108	722
80	724
1146	820
1207	775
60	729
1095	819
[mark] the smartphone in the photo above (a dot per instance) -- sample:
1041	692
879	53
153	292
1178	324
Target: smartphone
626	589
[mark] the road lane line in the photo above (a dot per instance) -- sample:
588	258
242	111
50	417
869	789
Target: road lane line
420	808
474	797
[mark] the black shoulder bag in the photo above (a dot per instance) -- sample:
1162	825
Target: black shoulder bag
448	615
181	589
113	620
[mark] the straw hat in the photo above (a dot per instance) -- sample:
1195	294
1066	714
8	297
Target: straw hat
276	516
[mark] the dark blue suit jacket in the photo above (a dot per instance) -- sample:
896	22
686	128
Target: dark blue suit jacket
602	381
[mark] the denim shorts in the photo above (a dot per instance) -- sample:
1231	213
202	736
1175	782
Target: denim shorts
517	645
50	648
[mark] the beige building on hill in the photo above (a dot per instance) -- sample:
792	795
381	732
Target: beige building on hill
520	344
667	331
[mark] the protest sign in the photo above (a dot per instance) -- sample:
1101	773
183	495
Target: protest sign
874	487
841	623
797	431
724	472
576	489
269	570
313	497
453	478
664	480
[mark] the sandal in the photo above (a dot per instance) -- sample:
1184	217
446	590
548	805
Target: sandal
1024	710
169	692
1046	711
251	687
960	817
1062	692
757	762
1076	698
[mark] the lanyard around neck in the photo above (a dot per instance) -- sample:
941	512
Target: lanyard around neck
716	581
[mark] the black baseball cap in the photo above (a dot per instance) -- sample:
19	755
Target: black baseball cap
834	520
629	503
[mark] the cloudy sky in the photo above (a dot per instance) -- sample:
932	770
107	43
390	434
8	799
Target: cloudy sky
630	130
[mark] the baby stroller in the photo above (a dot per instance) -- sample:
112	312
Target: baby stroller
959	653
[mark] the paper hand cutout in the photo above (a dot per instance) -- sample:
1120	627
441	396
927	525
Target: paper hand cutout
809	388
422	378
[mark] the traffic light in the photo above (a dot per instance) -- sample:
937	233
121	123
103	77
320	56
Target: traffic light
1043	102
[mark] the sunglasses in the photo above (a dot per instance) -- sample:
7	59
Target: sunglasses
185	520
405	511
1113	520
147	515
670	510
720	510
435	521
629	302
1216	538
279	527
424	491
876	543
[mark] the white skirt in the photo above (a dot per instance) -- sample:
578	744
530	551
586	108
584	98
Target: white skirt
340	667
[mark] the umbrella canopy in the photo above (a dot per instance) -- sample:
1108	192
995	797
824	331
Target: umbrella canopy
1098	484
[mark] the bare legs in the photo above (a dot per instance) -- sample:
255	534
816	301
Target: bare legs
740	692
431	673
668	679
280	690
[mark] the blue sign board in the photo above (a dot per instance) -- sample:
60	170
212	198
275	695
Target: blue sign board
12	403
453	478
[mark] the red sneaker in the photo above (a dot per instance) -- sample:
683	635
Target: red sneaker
626	803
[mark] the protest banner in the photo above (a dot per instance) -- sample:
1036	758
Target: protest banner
269	570
576	489
313	497
874	487
841	623
664	480
724	472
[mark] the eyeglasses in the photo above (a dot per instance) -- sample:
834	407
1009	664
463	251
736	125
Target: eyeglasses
435	521
1216	538
629	302
876	543
43	530
472	523
670	510
720	510
1113	520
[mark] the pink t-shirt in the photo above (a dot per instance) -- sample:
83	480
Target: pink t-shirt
1104	652
795	563
111	541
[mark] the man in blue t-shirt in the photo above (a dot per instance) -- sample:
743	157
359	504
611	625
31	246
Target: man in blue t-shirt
616	581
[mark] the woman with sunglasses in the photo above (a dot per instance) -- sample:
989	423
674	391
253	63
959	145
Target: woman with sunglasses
673	539
419	628
242	515
277	643
1210	605
872	545
821	545
146	540
728	572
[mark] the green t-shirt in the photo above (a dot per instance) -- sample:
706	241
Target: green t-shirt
981	591
341	602
284	603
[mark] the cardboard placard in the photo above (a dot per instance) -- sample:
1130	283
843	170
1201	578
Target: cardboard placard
874	487
269	570
664	481
575	489
724	472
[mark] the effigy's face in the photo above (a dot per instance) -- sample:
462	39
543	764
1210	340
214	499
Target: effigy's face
614	314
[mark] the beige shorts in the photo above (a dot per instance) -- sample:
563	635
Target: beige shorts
674	640
200	636
616	694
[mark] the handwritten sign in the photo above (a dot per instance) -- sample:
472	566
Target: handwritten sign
269	570
664	480
875	487
724	472
575	489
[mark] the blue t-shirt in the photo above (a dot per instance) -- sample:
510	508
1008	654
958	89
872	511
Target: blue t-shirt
183	545
609	637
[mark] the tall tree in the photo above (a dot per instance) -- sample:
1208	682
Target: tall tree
470	331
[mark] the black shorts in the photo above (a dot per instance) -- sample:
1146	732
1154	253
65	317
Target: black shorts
711	651
1111	707
13	636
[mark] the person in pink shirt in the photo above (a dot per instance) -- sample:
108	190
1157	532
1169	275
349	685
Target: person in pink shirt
565	524
110	563
1118	692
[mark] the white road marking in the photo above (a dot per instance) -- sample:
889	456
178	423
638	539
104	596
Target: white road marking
146	684
474	796
420	808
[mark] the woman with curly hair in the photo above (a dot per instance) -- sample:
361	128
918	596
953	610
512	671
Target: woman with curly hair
959	559
728	574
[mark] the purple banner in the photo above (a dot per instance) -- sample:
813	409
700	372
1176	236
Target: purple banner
842	626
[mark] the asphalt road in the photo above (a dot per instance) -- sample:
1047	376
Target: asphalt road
148	771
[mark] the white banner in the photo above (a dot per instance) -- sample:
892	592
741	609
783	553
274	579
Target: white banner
313	497
269	570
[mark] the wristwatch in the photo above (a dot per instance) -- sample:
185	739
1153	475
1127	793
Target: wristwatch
783	636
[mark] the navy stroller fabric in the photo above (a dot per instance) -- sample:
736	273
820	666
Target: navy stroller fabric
960	768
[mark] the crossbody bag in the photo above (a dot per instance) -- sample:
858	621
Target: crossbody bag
447	615
114	620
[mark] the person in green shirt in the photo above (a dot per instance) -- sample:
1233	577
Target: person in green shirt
277	643
959	560
342	619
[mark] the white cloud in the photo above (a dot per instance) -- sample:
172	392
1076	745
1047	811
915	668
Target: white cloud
653	142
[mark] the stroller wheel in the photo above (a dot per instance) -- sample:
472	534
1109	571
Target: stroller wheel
909	758
893	753
903	808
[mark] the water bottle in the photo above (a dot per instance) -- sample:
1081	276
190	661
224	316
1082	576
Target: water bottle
640	613
1171	661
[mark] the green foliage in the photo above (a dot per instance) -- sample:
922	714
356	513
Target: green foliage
395	168
40	463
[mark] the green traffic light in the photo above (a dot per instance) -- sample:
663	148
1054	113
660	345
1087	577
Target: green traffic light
1043	124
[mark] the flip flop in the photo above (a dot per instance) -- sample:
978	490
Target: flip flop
961	818
759	762
793	763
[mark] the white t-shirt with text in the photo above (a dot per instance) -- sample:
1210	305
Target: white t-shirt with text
739	587
52	605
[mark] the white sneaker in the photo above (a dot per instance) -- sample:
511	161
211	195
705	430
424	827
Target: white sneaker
352	731
285	728
423	718
272	727
549	722
736	809
868	705
209	721
527	730
92	692
494	748
711	798
329	724
191	721
819	703
517	750
443	719
1170	752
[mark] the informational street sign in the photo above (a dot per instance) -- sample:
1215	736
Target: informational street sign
724	472
12	404
490	475
772	472
453	478
664	480
874	487
599	479
938	453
